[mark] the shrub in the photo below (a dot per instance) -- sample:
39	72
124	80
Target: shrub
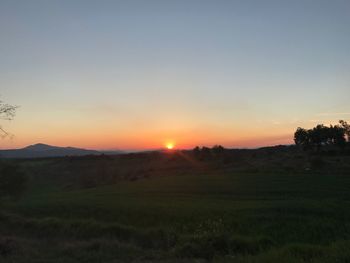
12	181
306	252
240	245
317	162
7	246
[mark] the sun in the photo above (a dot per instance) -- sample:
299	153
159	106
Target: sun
169	145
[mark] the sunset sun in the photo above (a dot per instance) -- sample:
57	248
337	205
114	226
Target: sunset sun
169	145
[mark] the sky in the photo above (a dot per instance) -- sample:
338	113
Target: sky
140	74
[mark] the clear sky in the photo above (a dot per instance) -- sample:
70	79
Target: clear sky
137	74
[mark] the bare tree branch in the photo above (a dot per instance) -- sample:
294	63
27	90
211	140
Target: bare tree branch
7	112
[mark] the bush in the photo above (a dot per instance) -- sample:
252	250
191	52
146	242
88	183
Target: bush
317	162
306	252
241	245
12	181
210	246
8	246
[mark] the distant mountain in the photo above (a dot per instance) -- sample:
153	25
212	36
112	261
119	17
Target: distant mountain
43	150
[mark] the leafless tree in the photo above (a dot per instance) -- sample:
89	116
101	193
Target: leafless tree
7	112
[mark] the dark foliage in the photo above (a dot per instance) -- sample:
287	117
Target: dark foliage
207	154
12	181
321	135
346	128
8	246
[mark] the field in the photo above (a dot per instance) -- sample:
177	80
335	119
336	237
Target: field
178	214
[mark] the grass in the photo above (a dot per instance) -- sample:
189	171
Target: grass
220	216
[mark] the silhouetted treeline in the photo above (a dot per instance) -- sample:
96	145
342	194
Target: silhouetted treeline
206	153
321	135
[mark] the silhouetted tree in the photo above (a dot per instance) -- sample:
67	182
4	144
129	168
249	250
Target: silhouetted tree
301	138
346	128
320	136
218	149
205	154
196	151
12	180
337	135
7	112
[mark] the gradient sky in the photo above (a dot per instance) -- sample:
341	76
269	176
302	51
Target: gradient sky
137	74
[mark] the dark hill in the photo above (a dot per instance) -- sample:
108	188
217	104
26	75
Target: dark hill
43	150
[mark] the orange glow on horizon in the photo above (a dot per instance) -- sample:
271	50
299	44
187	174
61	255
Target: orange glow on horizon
145	141
147	138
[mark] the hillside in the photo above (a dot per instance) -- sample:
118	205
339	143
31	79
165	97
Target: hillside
274	204
43	150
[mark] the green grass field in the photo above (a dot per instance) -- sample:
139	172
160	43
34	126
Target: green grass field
222	216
